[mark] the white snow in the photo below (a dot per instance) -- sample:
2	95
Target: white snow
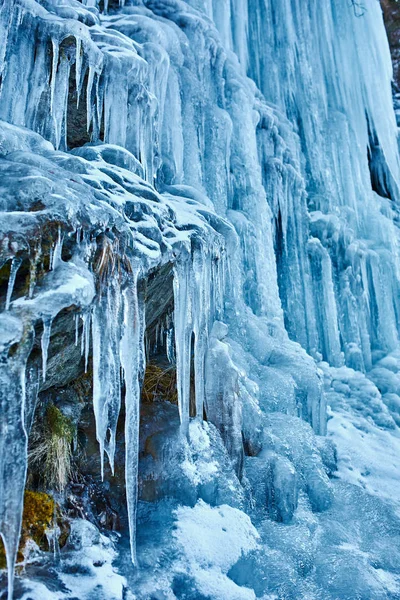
201	532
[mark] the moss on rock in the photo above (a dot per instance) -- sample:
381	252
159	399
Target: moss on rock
41	514
38	516
58	424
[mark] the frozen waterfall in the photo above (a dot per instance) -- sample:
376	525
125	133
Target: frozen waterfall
200	240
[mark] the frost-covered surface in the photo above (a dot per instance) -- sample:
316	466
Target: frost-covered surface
251	147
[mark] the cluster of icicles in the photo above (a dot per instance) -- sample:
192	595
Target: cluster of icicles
116	81
115	318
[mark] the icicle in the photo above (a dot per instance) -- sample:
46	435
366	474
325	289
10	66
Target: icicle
221	267
162	335
170	345
47	321
56	255
78	68
89	97
15	265
201	309
13	439
54	66
86	335
52	534
100	106
76	317
183	333
85	338
156	338
321	269
83	334
132	361
106	369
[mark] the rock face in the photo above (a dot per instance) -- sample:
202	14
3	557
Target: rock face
199	249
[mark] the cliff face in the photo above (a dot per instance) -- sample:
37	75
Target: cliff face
199	265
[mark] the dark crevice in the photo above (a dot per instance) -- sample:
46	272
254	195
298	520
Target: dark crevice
381	178
281	267
77	132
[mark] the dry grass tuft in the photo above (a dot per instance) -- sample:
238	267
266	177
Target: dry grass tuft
108	259
51	449
159	384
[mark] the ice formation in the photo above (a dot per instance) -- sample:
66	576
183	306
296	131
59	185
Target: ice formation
248	148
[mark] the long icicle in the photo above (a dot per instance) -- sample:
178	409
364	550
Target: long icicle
13	444
183	334
106	369
54	66
15	265
203	317
132	355
45	341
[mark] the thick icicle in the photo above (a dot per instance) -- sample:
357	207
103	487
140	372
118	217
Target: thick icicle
132	355
183	335
202	313
54	65
106	368
89	88
78	68
13	436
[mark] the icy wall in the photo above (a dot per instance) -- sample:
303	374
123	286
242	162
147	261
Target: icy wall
216	182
